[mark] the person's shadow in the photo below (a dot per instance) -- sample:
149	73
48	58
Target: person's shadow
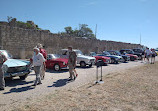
59	83
16	82
17	90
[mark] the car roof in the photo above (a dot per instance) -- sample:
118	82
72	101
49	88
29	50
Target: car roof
126	49
112	50
72	49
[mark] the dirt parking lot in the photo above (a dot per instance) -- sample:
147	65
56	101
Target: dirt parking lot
121	87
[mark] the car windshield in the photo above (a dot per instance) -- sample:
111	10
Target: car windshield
112	52
138	50
128	51
93	54
78	52
106	53
7	55
100	55
53	56
118	53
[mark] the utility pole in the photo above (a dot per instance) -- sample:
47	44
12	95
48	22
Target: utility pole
96	31
140	39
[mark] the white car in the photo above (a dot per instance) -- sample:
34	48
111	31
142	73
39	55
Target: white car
81	59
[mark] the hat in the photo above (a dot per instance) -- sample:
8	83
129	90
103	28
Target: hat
35	48
70	47
39	45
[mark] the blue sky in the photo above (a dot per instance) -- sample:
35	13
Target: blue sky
117	20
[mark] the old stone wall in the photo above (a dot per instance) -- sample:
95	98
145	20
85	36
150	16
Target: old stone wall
20	42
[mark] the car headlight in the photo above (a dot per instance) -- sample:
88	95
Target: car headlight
5	68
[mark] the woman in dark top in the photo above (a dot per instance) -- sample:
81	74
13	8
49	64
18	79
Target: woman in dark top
153	56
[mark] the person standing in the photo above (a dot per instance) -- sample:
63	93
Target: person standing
153	56
148	54
2	81
38	61
143	56
44	53
72	63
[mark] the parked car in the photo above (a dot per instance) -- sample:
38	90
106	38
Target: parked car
104	59
120	57
81	59
156	52
54	61
114	59
115	52
138	52
15	67
129	53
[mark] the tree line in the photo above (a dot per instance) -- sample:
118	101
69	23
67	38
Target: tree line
84	31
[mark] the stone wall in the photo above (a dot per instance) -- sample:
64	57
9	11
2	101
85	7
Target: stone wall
20	42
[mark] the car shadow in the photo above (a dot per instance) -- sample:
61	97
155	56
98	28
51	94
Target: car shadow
16	82
61	71
59	83
115	63
125	62
17	90
86	67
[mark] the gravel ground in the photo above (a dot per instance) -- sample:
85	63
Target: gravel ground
18	92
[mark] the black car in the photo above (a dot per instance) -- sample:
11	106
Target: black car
130	51
115	52
138	50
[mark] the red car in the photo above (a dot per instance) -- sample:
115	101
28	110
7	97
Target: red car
55	62
106	60
132	57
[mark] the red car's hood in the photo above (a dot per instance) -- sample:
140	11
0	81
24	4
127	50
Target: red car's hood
61	59
101	57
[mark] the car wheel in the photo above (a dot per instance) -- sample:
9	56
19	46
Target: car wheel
112	61
83	64
132	59
90	65
124	60
57	67
23	77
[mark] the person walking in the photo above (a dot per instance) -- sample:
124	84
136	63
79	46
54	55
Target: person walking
71	63
44	53
153	56
38	61
143	56
148	54
2	81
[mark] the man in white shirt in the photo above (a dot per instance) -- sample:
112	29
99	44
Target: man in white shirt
148	54
38	61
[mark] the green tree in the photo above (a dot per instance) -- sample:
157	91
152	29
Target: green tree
68	30
85	31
